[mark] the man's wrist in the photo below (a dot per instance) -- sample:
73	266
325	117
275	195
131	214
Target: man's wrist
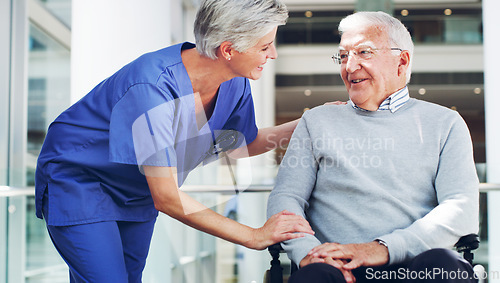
382	243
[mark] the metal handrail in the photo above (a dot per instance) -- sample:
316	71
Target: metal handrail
9	191
488	187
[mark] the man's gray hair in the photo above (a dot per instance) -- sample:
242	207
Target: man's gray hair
398	34
241	22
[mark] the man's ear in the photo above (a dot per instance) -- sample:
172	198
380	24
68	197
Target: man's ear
404	62
226	50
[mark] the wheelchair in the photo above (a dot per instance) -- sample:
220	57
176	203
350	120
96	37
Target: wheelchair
465	245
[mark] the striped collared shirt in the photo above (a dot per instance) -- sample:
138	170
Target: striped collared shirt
393	102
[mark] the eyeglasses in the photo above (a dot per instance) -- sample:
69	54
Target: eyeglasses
363	53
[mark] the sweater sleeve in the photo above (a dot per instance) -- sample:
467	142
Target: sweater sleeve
294	184
457	190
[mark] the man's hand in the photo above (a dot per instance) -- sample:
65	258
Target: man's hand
348	276
355	255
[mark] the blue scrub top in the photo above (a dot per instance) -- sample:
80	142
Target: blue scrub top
88	170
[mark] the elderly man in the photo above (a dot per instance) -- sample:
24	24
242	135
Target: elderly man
387	182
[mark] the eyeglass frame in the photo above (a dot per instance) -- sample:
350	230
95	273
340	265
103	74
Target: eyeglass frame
336	57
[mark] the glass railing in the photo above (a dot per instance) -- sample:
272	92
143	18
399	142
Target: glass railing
177	252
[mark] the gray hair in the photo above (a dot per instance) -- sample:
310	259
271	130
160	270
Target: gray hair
241	22
397	32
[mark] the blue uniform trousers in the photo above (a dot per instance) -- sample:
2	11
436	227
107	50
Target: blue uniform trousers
110	251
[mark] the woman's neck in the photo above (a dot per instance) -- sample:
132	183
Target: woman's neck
206	76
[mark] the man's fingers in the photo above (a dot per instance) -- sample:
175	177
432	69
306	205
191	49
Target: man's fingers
325	249
317	260
335	263
353	264
339	264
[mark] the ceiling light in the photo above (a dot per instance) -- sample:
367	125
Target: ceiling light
404	12
307	92
447	12
308	14
422	91
477	90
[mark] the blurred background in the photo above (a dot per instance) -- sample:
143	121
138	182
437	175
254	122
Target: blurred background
52	52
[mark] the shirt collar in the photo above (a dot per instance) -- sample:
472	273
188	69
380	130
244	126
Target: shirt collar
391	103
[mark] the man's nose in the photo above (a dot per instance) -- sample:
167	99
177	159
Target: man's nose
352	63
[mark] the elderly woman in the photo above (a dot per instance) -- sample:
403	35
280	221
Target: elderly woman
118	156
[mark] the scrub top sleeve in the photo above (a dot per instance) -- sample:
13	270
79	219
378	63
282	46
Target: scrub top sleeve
141	127
242	119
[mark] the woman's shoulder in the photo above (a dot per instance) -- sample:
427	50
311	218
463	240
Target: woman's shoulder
162	58
157	68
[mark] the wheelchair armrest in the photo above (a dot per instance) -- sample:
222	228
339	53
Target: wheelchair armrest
466	245
275	249
469	242
276	271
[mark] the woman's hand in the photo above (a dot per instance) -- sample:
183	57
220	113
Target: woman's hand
280	227
179	205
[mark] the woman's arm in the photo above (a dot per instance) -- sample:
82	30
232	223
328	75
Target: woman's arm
170	200
272	137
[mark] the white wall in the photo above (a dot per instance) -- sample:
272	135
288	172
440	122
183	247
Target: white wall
491	22
106	35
